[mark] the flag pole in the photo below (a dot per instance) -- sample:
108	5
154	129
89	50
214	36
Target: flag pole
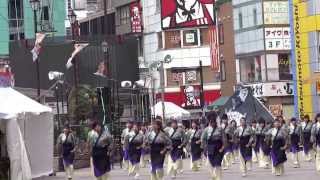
201	87
38	59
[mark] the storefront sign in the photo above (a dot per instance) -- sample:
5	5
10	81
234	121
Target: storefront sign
272	89
277	38
191	96
276	12
177	77
191	76
190	38
276	110
136	18
180	14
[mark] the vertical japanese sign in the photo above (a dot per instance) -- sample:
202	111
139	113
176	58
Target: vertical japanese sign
301	61
136	17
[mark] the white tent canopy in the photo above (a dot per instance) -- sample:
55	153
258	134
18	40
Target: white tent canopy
29	132
171	111
13	103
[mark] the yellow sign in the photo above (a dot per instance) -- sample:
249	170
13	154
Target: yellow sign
302	59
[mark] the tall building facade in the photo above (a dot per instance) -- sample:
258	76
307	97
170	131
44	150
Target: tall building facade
168	30
305	24
226	48
4	30
262	47
17	20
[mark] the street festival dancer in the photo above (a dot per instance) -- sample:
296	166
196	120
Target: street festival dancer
262	145
255	150
159	144
316	140
145	151
307	146
68	143
100	153
245	136
125	132
278	148
194	139
91	139
214	137
295	140
228	150
178	139
133	142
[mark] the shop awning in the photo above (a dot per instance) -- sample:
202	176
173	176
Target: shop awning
218	103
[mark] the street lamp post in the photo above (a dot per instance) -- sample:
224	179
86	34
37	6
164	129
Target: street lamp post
105	50
72	19
35	6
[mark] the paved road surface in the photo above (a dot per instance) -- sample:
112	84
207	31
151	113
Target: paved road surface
306	172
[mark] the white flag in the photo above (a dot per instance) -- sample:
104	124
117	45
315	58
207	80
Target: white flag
37	46
77	49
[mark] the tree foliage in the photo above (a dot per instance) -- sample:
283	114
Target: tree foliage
81	101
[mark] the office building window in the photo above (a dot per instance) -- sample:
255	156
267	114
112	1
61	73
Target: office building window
45	13
158	6
255	18
250	69
223	70
91	1
240	20
184	38
190	38
124	13
160	43
284	67
318	49
172	39
221	33
204	36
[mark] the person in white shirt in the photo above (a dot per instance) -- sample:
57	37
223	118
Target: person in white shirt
316	140
67	143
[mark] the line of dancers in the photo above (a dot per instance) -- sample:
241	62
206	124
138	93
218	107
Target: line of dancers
222	141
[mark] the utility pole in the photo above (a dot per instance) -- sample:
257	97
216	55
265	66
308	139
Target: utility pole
162	91
201	87
105	18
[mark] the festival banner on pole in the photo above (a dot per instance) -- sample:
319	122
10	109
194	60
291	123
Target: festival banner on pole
37	46
244	105
77	48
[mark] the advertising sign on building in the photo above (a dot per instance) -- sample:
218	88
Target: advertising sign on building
277	38
276	12
276	110
6	76
191	13
136	18
304	65
191	96
271	89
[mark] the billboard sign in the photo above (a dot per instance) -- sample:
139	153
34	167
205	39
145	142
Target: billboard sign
277	38
271	89
136	17
276	12
191	96
186	13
